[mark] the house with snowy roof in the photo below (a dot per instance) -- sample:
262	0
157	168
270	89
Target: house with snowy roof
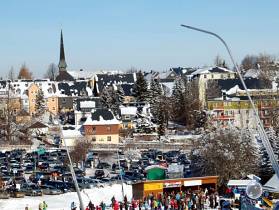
102	127
234	108
83	108
69	91
206	74
104	80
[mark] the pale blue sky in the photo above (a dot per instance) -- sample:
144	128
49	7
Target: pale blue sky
146	34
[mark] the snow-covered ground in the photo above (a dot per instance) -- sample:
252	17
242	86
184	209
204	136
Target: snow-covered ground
63	201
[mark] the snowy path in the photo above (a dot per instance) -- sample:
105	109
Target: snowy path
63	201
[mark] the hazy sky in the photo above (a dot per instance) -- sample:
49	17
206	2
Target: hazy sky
146	34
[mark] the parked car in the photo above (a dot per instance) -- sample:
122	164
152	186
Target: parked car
31	190
103	165
50	190
99	173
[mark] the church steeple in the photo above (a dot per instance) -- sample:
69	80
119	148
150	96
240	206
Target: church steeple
62	62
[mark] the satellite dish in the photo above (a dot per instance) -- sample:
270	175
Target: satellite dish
254	190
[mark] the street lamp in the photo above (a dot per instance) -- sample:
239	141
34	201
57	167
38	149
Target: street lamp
262	132
72	171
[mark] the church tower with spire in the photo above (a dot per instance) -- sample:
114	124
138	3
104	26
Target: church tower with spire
62	61
63	74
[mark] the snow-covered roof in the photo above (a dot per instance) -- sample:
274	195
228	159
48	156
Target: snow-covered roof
273	184
101	117
130	110
81	74
234	90
240	182
209	70
252	73
87	104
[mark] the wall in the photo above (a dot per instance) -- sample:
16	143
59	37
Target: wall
52	104
32	92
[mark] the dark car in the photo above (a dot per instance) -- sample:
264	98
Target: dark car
31	190
99	173
63	186
102	165
50	190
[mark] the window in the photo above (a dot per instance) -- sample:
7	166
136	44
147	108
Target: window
53	108
26	84
212	76
94	138
52	99
204	76
94	130
222	76
109	138
101	139
229	76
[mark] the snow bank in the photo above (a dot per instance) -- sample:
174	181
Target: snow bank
63	201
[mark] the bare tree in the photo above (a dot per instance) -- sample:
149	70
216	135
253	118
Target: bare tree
248	62
213	90
24	73
11	74
227	153
9	127
52	72
80	150
218	61
132	70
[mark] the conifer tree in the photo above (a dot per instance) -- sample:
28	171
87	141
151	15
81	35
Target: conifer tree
140	88
155	93
161	118
40	103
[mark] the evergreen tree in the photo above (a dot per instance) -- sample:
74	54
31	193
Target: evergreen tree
178	101
155	92
120	95
161	118
40	103
112	99
140	88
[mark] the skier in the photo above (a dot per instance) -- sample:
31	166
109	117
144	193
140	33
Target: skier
73	206
40	206
44	205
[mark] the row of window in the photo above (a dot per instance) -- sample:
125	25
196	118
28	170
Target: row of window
222	76
102	139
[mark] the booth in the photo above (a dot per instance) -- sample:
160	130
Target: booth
155	187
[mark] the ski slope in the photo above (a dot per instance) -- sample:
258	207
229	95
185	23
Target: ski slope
63	201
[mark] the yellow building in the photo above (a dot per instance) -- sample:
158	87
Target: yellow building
32	93
52	104
213	73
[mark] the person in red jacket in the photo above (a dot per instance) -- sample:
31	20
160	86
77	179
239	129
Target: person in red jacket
115	205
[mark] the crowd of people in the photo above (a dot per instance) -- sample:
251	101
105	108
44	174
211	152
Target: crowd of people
189	200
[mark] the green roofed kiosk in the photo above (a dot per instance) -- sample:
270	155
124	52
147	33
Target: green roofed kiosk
155	172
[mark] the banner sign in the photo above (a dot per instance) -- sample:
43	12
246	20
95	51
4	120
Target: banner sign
153	186
192	183
172	184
